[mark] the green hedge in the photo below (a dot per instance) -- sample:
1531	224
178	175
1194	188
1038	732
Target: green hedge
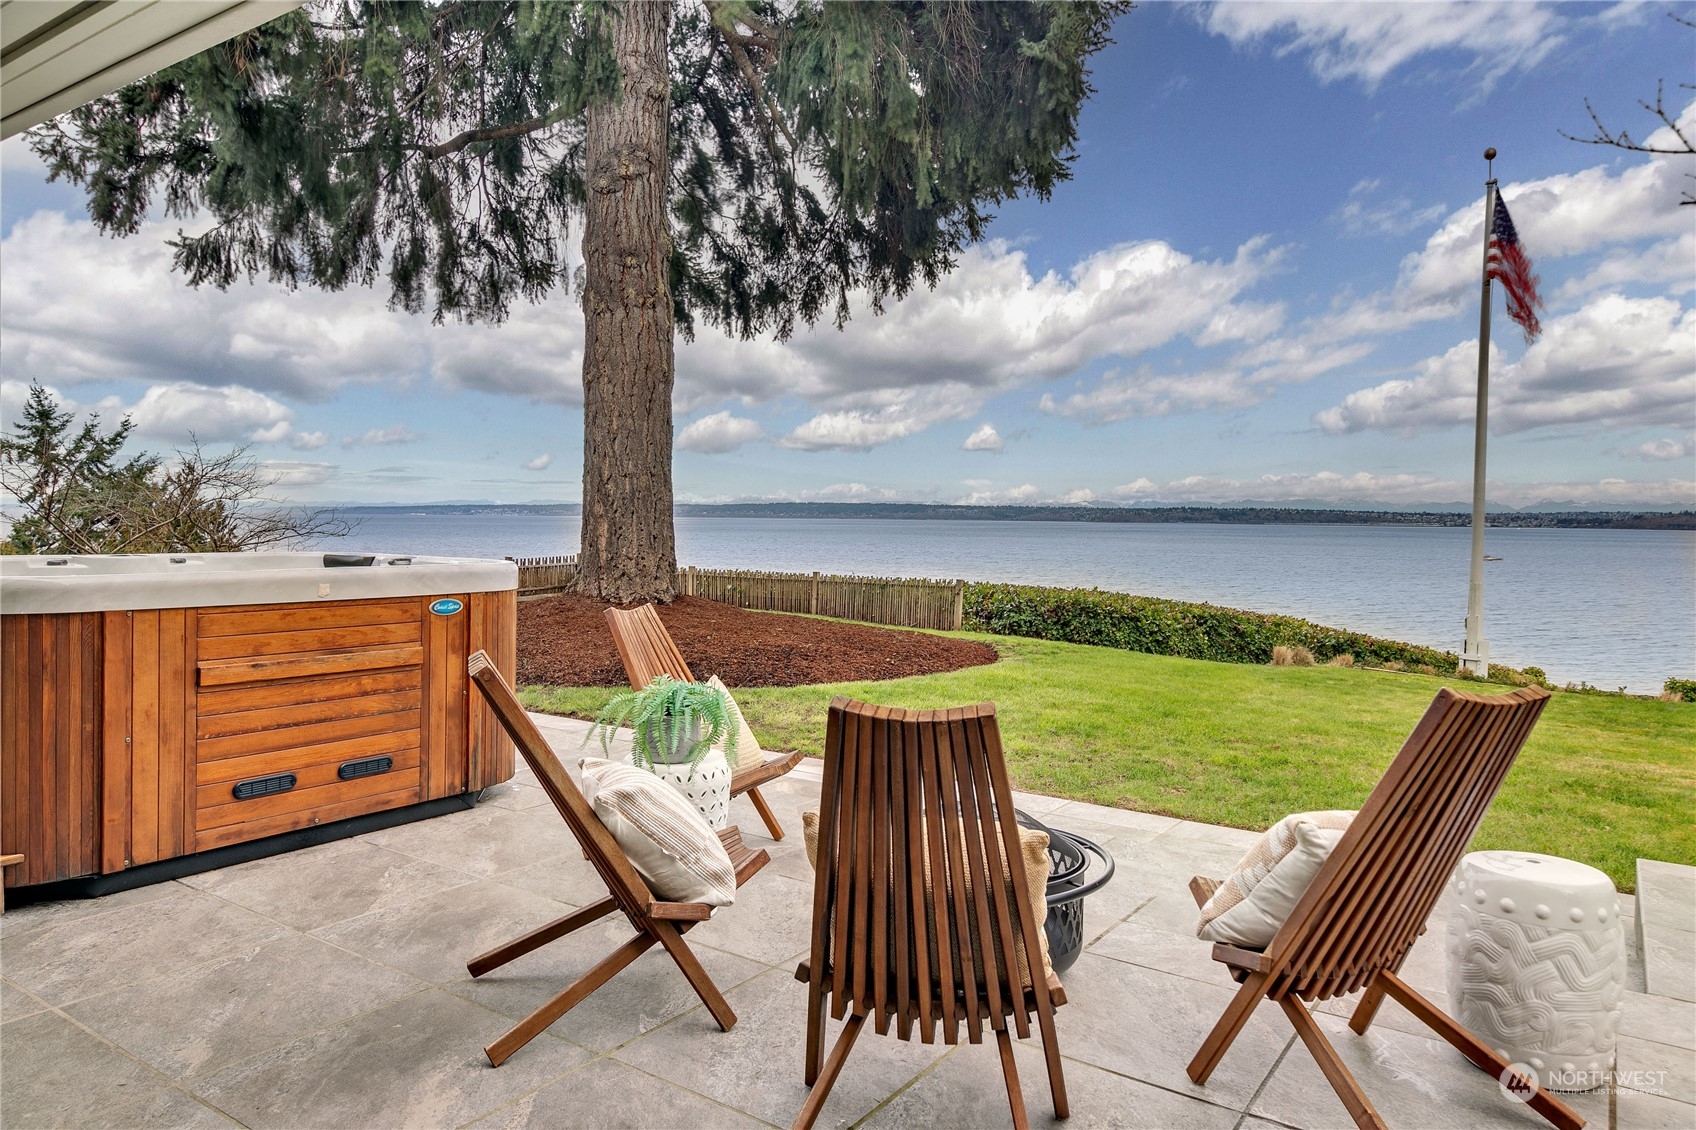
1174	627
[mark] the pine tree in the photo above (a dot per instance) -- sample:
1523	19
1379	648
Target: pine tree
743	163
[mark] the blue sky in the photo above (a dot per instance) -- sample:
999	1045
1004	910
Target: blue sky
1261	283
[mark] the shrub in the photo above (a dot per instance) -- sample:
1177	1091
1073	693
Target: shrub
1684	689
1283	656
1425	669
1343	660
1172	627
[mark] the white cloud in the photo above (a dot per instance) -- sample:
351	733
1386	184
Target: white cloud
540	463
986	438
286	474
849	492
1075	497
1368	41
308	441
1617	362
1015	496
1120	395
173	411
1363	215
81	307
1664	450
718	433
1403	489
383	437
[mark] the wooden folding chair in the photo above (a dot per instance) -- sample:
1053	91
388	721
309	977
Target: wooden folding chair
647	651
920	911
1369	902
654	920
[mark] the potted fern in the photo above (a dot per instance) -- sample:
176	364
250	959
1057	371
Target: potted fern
682	730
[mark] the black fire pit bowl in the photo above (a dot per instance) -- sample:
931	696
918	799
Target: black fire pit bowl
1069	882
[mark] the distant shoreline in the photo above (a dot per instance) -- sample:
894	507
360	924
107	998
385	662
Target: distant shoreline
1200	515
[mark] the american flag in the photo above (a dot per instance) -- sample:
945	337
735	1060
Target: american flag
1507	263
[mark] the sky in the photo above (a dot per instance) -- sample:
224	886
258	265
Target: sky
1262	282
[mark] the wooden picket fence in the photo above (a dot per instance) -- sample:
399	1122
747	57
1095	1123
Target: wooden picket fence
903	602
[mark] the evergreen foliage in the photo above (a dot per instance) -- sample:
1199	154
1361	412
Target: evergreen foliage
817	149
664	714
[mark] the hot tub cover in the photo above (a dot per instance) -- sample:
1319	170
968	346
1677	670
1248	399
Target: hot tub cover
91	583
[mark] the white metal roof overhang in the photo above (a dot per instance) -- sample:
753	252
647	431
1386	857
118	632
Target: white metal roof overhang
56	55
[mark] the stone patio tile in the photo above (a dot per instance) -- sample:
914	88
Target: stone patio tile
1148	1025
22	919
1415	1083
1666	893
771	921
756	1067
1153	948
56	1074
1659	1068
164	1108
416	1063
1637	1111
1171	910
642	997
15	1004
567	878
966	1091
482	841
197	1021
1669	962
433	937
1665	1020
87	955
608	1095
1125	820
1390	1013
1634	979
1036	804
328	883
514	794
1238	839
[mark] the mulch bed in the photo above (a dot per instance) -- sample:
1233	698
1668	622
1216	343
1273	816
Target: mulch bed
563	641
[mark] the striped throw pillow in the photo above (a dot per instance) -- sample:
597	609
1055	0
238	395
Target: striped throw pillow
663	834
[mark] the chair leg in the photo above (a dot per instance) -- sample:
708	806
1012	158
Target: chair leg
1225	1031
1368	1006
815	1034
766	814
1010	1072
697	975
1056	1073
1360	1107
531	1026
1552	1109
540	936
832	1068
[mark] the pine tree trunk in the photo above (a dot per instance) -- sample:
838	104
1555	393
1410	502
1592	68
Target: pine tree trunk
628	551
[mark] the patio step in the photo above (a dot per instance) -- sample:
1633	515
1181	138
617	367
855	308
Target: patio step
1666	927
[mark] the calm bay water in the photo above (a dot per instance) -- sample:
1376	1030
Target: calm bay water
1611	607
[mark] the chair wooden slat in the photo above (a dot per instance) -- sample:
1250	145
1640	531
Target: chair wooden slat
921	912
1355	924
647	651
654	920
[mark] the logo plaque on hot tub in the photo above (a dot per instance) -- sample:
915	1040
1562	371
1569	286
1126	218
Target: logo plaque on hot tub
446	606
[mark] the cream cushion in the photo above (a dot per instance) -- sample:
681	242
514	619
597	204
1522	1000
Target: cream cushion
1033	850
746	752
1252	903
663	834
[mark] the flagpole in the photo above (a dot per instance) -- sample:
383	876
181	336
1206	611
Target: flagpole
1475	656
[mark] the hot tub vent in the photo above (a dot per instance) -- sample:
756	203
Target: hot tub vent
264	786
364	767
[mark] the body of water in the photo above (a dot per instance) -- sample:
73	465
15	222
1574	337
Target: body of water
1610	607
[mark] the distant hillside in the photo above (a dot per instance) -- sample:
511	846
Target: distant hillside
1216	515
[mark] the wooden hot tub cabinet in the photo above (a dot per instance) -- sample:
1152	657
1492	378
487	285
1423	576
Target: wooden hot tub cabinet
125	733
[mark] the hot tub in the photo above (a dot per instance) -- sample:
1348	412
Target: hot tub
161	706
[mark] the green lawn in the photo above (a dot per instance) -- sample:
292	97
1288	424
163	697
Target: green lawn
1604	779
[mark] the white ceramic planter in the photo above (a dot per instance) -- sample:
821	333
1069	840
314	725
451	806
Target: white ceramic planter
706	784
1537	963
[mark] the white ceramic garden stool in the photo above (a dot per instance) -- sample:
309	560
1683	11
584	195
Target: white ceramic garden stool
1537	963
